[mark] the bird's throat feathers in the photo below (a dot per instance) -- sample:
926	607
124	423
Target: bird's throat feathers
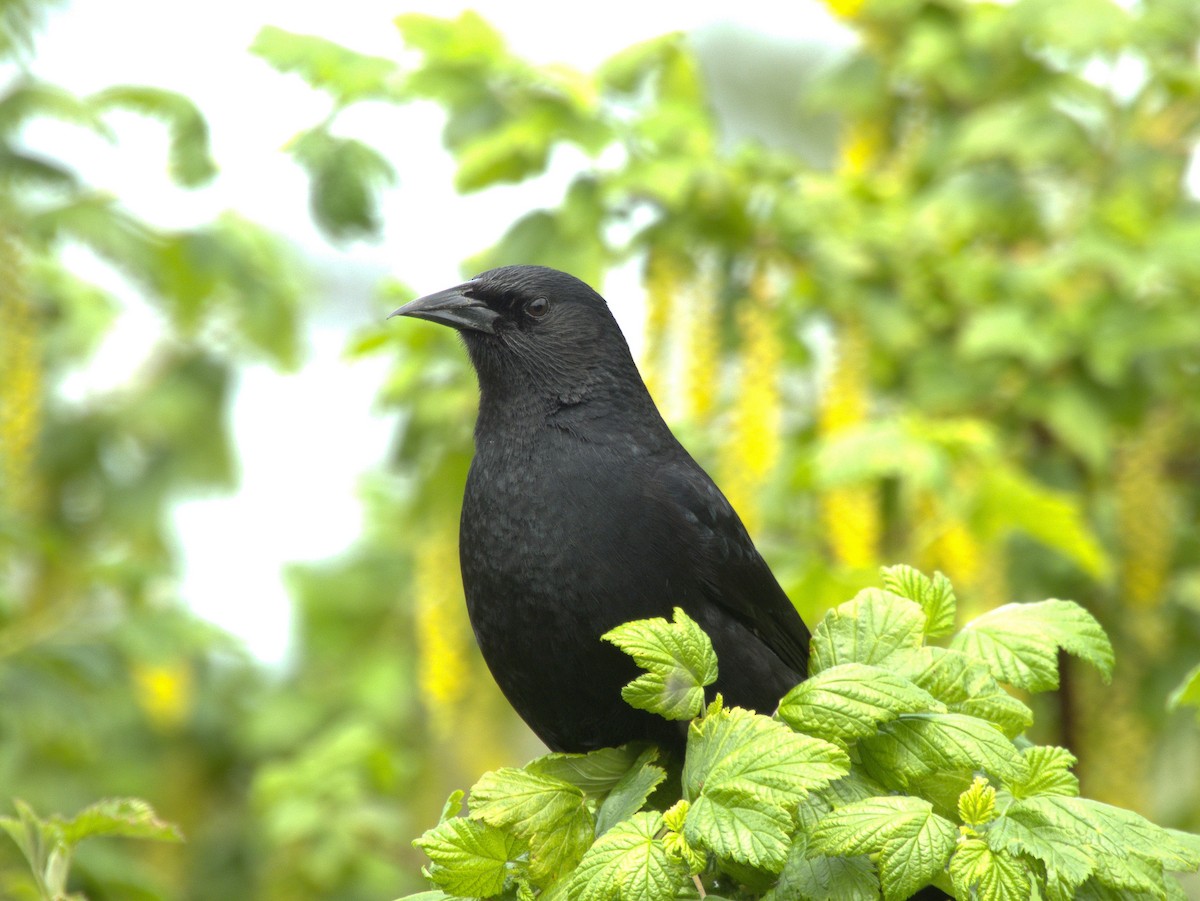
572	386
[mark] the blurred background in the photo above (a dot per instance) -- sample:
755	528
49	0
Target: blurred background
916	280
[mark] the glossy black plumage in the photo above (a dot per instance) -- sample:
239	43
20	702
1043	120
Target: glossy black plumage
582	511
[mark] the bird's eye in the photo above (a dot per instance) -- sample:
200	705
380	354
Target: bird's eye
537	308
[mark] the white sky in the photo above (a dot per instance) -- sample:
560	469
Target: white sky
305	439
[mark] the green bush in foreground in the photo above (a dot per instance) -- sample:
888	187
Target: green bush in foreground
896	765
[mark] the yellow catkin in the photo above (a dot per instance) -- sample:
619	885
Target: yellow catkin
863	143
662	283
851	513
164	692
1144	512
703	354
442	651
845	9
753	445
20	384
977	569
1118	741
1116	747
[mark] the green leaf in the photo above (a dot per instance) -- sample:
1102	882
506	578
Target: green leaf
191	162
822	877
549	814
127	817
344	73
1019	643
596	772
1068	865
346	176
1010	499
965	686
849	701
1188	692
913	843
630	793
35	838
432	895
470	859
981	873
453	805
977	805
466	39
1111	831
679	661
916	745
743	775
935	595
629	864
811	876
1047	772
870	628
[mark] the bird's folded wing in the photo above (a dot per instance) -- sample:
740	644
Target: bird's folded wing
730	568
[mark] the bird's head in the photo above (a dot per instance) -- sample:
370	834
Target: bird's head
533	331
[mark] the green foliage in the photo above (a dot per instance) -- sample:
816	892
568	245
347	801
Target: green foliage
48	845
1188	692
832	797
1020	642
673	685
190	163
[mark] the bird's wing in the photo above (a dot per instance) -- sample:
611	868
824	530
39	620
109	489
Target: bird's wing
730	569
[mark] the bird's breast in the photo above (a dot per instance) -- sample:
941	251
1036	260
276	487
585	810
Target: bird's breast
553	531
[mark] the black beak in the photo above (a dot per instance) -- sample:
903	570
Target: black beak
454	307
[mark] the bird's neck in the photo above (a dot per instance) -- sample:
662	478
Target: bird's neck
604	408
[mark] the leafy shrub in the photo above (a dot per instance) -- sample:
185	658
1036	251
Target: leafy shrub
898	764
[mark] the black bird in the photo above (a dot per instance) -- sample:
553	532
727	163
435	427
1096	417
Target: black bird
582	511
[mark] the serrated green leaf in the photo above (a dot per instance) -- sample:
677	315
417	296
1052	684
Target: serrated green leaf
981	873
679	661
915	745
1048	772
470	858
1111	831
870	628
127	817
913	843
854	786
596	772
740	751
549	814
977	805
744	774
629	864
809	875
1068	865
630	793
849	701
734	826
822	877
1019	643
1131	874
935	595
346	74
964	686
